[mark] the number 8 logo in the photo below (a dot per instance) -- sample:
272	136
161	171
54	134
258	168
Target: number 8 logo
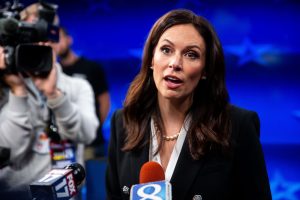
146	196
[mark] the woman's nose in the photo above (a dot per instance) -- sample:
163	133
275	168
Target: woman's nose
176	63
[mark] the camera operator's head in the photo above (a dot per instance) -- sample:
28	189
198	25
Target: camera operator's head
32	13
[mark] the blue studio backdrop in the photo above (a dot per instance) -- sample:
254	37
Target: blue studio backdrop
262	49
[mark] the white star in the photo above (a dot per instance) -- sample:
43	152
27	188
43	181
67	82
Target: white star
283	189
263	54
296	113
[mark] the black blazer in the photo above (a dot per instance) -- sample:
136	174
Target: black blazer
243	175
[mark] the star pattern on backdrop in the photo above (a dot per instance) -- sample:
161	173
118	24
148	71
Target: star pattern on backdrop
102	6
189	4
247	51
282	189
136	53
296	114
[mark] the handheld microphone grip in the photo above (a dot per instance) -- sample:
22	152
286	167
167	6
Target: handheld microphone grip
58	184
152	184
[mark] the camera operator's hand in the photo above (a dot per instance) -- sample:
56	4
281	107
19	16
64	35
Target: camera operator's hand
15	82
48	85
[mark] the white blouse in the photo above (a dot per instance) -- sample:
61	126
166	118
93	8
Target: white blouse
176	150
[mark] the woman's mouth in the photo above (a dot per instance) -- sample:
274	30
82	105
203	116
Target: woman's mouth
173	82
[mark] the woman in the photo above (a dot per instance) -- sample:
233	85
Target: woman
177	113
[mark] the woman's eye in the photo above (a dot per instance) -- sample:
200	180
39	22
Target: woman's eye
165	50
192	55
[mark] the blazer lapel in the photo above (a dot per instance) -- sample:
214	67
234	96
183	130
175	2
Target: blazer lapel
137	160
186	169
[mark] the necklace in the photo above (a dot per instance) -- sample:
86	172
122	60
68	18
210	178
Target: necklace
170	138
165	137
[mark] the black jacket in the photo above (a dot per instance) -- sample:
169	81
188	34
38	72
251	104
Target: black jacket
242	175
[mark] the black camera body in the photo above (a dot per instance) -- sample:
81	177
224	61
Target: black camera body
19	39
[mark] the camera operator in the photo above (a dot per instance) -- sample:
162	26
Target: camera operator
34	105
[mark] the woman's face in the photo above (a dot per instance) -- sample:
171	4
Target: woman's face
178	62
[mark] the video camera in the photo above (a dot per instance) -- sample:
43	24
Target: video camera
19	39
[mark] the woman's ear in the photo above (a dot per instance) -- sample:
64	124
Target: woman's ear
203	76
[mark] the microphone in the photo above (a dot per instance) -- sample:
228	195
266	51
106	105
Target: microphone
152	184
58	184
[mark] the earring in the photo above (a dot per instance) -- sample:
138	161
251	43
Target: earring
203	78
151	67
